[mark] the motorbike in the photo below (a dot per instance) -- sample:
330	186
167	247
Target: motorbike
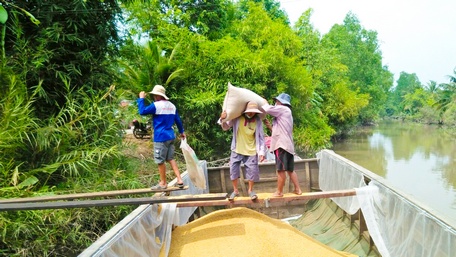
142	129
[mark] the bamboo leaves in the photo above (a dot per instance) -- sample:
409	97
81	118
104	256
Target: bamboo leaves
3	15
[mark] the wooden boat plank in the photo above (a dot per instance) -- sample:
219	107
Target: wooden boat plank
222	179
266	199
307	170
307	186
89	195
243	181
110	202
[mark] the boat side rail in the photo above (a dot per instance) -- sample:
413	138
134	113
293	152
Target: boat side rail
370	176
399	224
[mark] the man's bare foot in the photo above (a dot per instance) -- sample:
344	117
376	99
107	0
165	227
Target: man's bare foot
297	192
277	194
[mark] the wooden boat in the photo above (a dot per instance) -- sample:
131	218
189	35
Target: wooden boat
417	230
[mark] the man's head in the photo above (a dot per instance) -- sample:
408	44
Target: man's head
251	109
283	99
159	90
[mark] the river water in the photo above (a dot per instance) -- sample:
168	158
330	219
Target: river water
417	159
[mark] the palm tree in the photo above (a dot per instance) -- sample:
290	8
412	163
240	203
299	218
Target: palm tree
432	87
446	97
149	66
453	78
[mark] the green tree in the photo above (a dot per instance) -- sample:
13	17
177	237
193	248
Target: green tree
446	99
71	43
157	18
260	58
406	84
147	66
432	86
333	96
414	101
272	8
360	52
58	131
429	114
76	150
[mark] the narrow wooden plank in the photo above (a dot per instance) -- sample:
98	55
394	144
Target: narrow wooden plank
110	202
222	179
264	180
362	224
307	178
242	182
286	188
88	195
266	200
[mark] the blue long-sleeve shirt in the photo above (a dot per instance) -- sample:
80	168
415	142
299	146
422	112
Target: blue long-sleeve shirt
164	117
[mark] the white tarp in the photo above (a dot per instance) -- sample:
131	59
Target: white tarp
398	225
147	230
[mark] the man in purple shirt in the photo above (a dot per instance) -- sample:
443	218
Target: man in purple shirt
282	141
164	115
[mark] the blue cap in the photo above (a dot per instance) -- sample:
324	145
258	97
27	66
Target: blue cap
284	99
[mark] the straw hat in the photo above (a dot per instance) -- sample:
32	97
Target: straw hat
159	90
252	107
284	99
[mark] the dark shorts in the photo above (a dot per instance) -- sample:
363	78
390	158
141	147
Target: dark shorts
284	160
163	151
252	171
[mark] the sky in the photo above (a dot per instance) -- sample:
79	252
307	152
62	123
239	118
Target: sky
414	36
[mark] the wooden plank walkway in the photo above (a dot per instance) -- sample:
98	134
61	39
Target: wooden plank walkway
109	202
88	195
267	200
217	199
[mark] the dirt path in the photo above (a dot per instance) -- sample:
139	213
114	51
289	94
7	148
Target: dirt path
142	151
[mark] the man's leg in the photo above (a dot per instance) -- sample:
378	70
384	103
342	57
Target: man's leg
252	193
235	186
159	157
173	164
294	179
252	173
281	177
251	186
162	172
235	169
281	164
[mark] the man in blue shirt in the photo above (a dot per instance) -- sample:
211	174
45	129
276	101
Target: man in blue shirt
164	115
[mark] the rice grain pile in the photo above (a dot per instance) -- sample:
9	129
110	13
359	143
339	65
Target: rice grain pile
244	232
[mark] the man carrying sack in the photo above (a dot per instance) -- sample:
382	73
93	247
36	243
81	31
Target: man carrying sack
247	146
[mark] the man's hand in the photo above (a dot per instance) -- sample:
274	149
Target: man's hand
261	158
267	123
142	94
223	115
182	136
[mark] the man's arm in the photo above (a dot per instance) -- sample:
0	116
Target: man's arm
142	108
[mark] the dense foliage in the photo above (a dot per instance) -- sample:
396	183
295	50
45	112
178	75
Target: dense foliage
268	59
431	103
70	45
66	65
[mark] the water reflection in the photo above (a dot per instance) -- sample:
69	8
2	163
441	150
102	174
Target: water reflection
419	160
